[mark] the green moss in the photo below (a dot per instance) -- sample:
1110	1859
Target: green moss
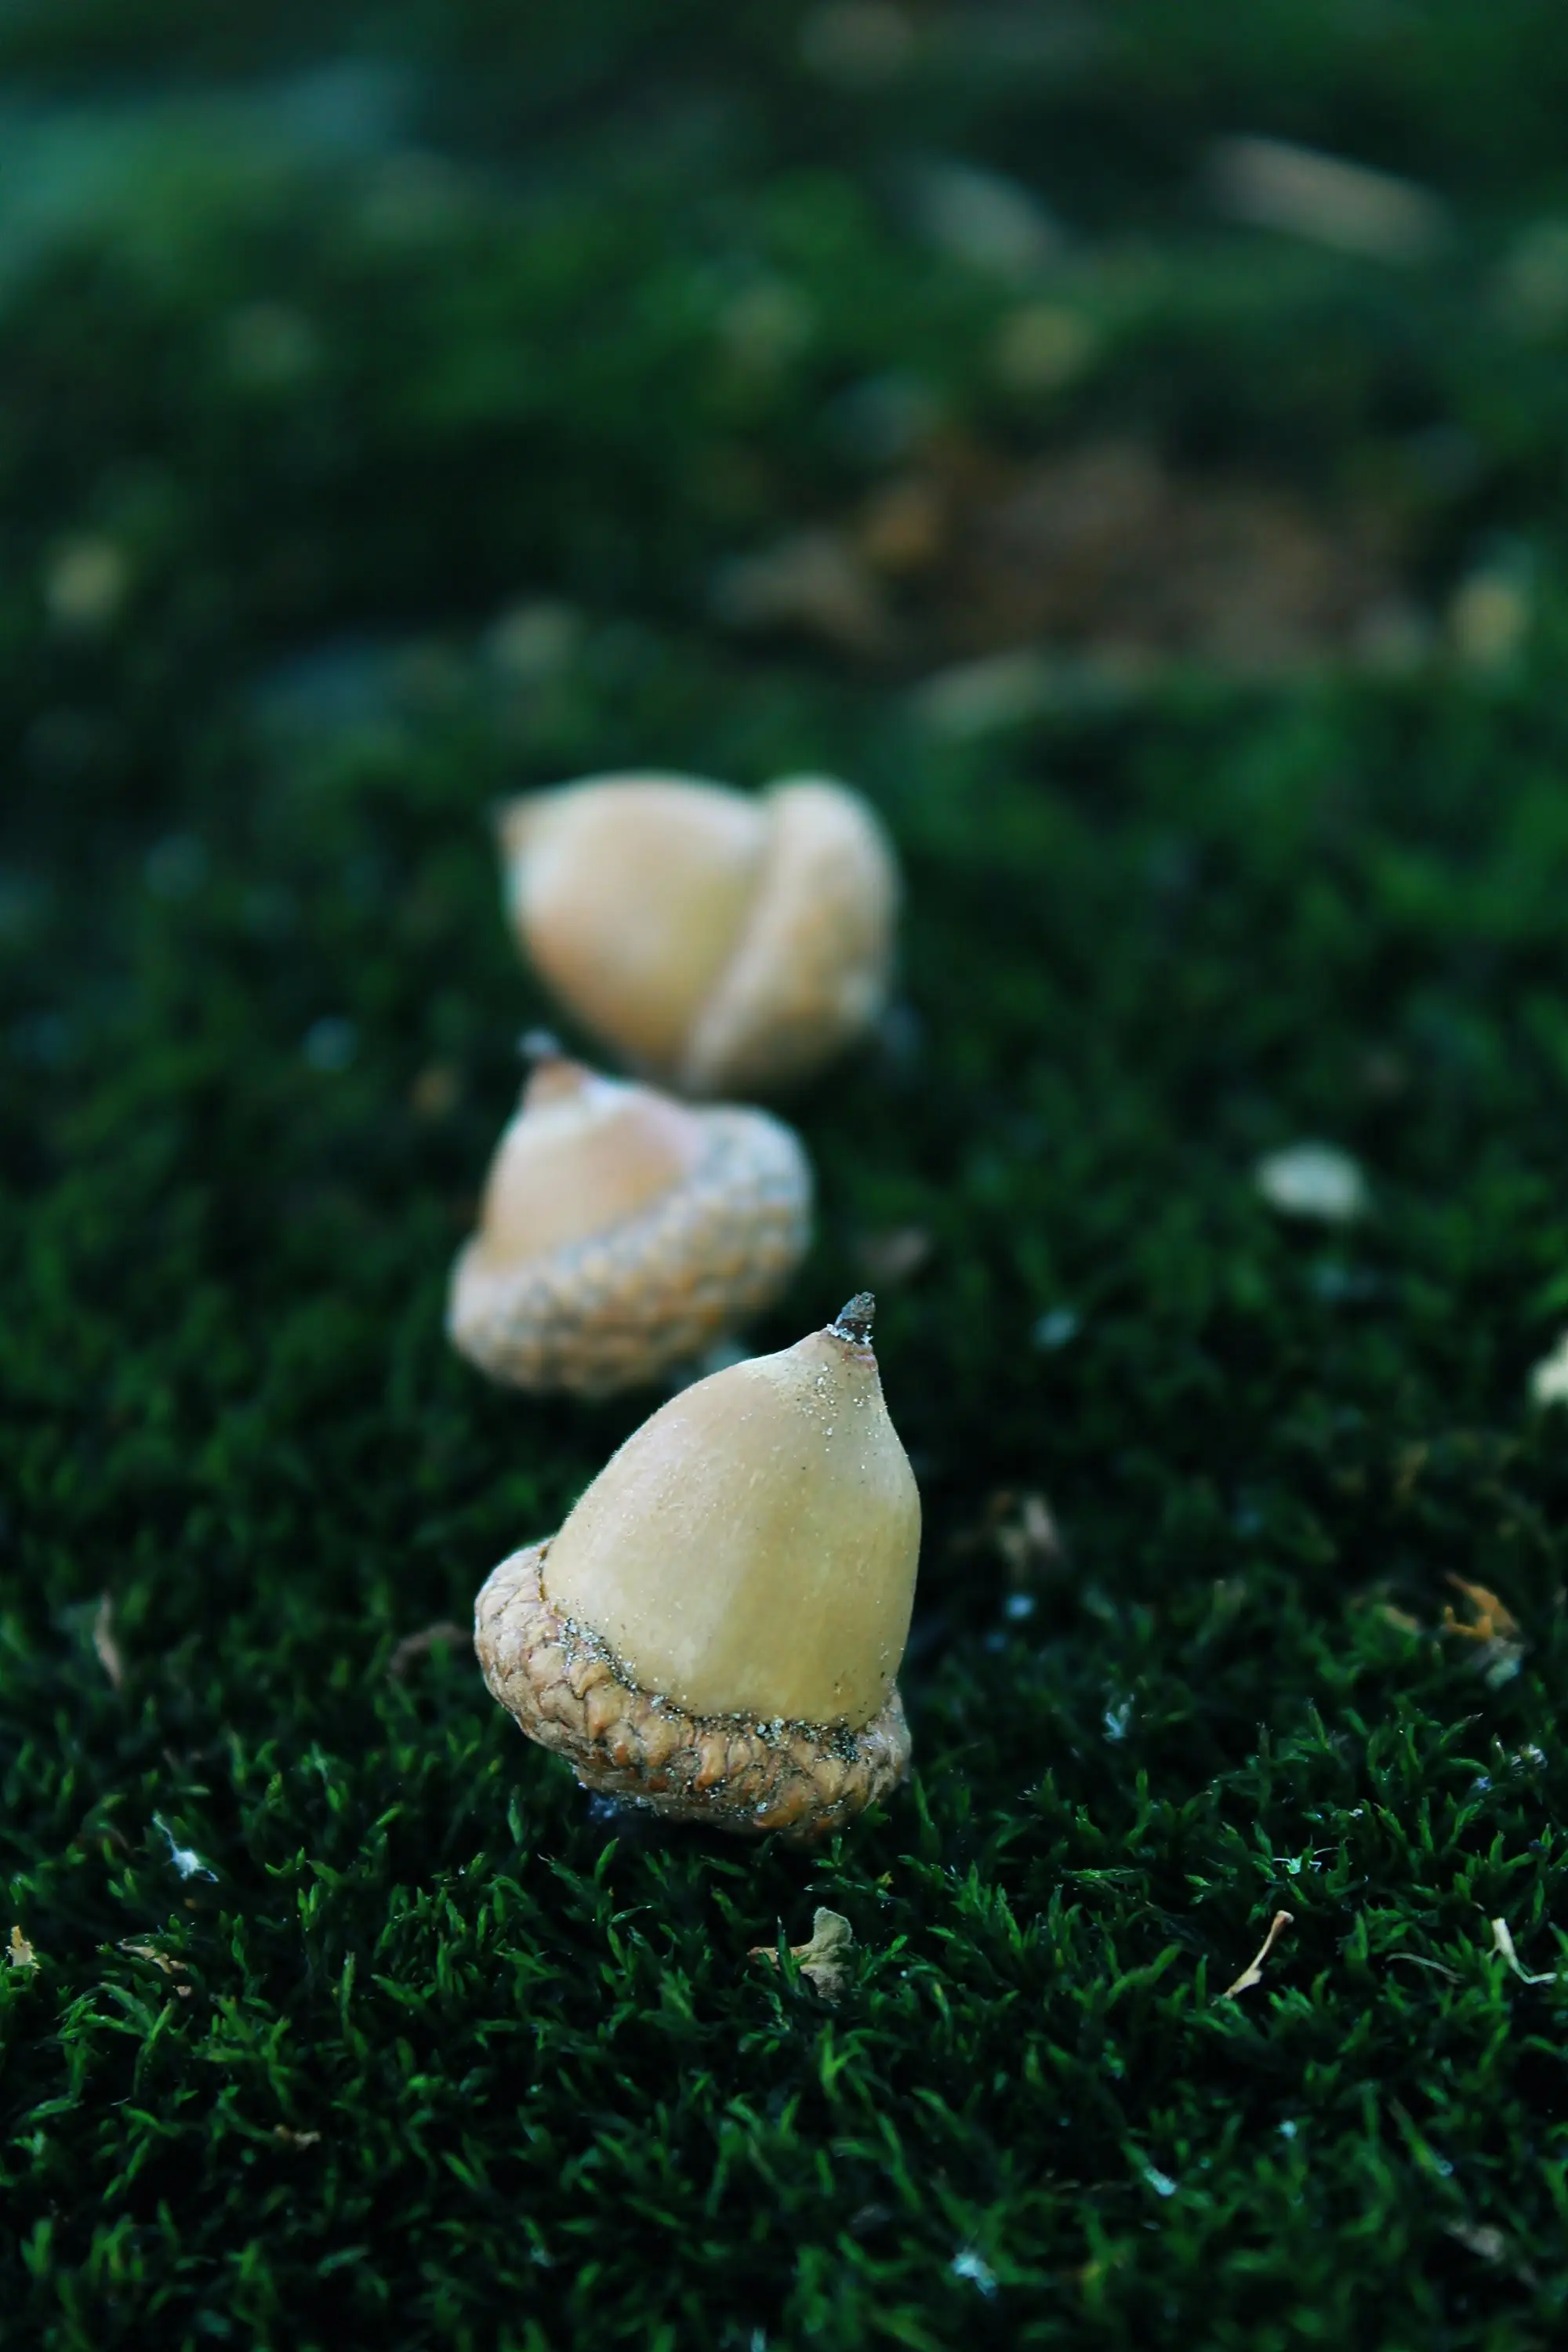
351	2021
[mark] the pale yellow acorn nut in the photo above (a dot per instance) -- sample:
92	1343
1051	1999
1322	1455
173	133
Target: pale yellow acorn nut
717	1628
719	941
622	1232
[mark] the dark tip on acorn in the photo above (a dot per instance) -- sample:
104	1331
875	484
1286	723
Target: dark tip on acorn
537	1046
855	1320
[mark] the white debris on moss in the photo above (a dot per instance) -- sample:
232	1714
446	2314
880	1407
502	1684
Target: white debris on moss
967	2264
1315	1180
86	582
1549	1377
1272	183
983	220
185	1858
1491	615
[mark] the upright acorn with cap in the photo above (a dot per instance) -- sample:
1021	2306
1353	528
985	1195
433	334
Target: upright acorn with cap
717	1628
622	1231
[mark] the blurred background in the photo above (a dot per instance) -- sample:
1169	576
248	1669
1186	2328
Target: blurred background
1000	353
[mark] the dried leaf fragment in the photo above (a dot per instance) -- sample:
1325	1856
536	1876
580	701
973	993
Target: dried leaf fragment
894	1253
165	1960
1492	1626
111	1657
1020	1526
824	1959
1413	1461
814	584
1490	618
1488	2245
993	692
86	582
1502	1946
22	1955
1028	1537
1493	1619
1477	2238
416	1645
904	527
435	1091
858	44
1253	1972
162	1960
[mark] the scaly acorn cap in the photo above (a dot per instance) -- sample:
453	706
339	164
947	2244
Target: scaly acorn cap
719	941
717	1628
621	1232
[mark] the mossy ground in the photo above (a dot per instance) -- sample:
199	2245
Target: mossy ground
347	2021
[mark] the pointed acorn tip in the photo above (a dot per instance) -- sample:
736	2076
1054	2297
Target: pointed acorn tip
537	1046
855	1320
553	1074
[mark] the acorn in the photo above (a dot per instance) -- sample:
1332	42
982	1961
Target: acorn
717	941
622	1231
716	1631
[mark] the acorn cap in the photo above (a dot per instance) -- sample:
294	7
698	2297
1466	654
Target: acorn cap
717	1628
718	941
621	1233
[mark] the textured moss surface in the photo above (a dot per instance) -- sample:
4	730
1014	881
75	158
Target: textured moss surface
378	413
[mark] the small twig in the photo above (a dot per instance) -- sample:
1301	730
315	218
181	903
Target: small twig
1438	1968
1503	1946
111	1657
1253	1972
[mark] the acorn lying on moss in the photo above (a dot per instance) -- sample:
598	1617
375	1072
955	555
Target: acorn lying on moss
720	942
716	1631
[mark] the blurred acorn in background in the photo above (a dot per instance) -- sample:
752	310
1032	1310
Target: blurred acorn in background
719	942
716	1631
621	1232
